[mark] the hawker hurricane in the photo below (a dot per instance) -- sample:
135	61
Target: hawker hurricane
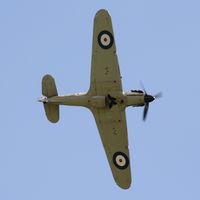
105	99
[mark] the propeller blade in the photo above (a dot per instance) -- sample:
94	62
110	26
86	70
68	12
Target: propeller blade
147	99
158	95
146	108
142	86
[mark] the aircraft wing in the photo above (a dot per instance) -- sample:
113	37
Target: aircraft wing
111	124
105	73
106	80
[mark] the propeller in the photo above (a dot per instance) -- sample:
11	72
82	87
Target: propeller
147	99
146	108
158	95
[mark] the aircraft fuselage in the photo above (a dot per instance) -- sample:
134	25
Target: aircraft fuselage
83	99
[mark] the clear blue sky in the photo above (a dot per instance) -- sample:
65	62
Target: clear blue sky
158	42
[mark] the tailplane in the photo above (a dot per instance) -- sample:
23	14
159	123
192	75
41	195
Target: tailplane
49	90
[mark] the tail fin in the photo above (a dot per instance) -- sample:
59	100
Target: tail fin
49	90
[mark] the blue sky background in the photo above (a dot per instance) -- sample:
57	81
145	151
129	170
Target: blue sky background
158	42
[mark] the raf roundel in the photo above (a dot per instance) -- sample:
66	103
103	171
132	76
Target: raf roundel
105	39
120	160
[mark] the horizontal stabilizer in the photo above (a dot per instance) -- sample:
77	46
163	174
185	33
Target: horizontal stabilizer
49	86
49	90
52	112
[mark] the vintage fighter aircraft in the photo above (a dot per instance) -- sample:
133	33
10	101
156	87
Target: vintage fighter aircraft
105	99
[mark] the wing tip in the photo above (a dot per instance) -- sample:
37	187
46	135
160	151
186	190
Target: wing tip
102	12
123	183
124	186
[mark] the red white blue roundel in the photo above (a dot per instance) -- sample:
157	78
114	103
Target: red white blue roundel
120	160
105	39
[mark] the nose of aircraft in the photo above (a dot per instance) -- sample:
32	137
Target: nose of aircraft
148	98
